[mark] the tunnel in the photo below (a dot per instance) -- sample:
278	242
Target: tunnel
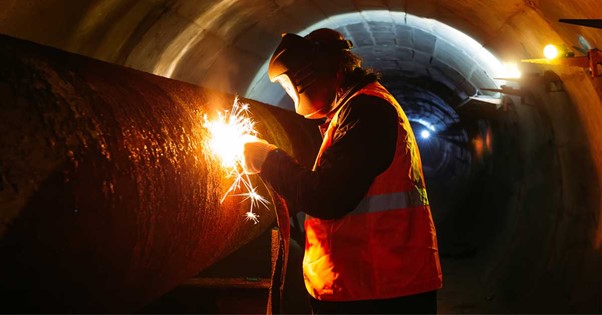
513	176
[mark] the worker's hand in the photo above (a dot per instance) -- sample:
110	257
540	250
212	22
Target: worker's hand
255	152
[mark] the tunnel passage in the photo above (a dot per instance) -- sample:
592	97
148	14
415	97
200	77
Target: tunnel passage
536	184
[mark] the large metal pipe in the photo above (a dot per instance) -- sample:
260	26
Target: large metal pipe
108	197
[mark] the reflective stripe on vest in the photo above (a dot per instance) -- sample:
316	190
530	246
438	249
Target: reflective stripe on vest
399	200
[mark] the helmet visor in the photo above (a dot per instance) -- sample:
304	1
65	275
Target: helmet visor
289	87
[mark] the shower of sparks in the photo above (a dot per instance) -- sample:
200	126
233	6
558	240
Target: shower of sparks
228	134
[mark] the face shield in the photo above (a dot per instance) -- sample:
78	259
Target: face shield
312	103
289	87
304	67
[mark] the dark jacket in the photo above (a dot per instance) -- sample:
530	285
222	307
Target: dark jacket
362	148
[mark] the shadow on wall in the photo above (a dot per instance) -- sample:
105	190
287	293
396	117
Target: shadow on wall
521	235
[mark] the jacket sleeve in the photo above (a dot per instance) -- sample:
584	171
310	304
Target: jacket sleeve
363	146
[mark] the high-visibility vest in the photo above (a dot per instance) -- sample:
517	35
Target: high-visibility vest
387	246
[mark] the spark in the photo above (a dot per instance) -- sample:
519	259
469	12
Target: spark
256	199
252	216
228	134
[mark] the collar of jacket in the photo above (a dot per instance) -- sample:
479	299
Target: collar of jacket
340	102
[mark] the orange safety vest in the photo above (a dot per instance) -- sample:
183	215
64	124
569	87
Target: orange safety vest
387	246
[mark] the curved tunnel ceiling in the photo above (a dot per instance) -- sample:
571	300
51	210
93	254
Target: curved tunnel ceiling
535	192
400	44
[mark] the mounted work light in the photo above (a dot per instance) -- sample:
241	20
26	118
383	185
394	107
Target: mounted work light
555	56
550	52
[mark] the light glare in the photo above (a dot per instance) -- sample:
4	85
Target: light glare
425	134
511	71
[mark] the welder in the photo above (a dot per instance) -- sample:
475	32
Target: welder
371	245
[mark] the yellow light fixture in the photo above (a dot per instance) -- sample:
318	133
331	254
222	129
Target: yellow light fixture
550	52
590	62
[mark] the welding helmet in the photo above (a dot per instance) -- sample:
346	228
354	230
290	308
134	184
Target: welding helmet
306	67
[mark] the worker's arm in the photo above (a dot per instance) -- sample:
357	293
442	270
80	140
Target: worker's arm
362	148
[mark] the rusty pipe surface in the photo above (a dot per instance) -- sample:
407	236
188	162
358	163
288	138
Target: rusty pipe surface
108	197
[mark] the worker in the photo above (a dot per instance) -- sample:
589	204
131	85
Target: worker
371	245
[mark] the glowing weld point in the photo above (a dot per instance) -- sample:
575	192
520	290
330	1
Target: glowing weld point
252	216
228	134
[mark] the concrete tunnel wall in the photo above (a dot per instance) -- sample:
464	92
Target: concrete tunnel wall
538	212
